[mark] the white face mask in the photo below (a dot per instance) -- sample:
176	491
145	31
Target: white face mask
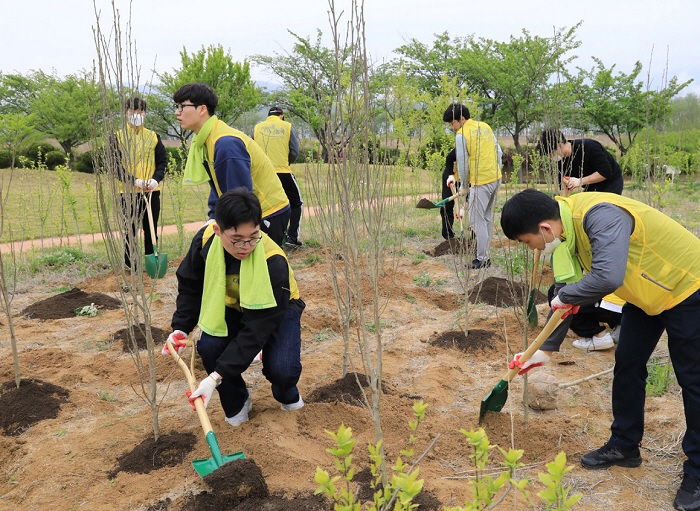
136	119
551	246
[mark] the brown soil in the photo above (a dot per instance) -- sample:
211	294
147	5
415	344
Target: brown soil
344	390
159	337
170	450
33	401
476	340
425	204
502	293
425	500
63	305
453	246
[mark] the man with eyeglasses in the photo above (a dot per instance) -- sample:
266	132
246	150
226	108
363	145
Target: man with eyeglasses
258	307
228	158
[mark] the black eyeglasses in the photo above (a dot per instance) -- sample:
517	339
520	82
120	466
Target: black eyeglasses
243	243
179	107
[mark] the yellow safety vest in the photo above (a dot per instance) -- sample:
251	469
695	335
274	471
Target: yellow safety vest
232	281
483	155
138	154
267	187
663	263
273	136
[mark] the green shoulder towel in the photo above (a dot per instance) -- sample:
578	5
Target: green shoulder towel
564	261
254	287
195	173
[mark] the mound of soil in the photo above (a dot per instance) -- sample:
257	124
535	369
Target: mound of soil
476	340
453	246
33	401
425	204
273	503
170	450
63	305
159	337
502	293
425	500
344	390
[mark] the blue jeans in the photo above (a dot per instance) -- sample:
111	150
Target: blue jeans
281	362
639	335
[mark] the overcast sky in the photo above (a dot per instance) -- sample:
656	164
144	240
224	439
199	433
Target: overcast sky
57	34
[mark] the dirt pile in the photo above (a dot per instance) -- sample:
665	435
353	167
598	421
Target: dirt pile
159	337
476	340
453	246
344	390
33	401
169	451
502	293
63	305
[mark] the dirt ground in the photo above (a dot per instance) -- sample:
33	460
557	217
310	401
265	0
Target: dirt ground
70	459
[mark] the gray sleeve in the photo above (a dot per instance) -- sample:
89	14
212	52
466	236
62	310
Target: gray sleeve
609	228
293	146
462	159
499	152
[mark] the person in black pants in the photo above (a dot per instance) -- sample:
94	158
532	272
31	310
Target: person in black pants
447	211
583	163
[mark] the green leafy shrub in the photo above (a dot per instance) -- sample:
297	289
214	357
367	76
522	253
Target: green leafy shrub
57	259
54	158
5	159
176	156
83	163
37	152
310	154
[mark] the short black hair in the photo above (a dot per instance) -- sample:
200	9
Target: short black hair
198	94
550	140
524	211
455	112
135	103
237	206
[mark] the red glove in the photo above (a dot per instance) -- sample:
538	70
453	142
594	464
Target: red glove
179	340
558	304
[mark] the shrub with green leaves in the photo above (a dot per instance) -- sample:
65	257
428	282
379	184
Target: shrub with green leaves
83	163
54	159
57	259
37	152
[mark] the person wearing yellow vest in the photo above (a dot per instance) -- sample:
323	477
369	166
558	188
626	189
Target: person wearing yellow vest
478	157
279	141
141	162
650	261
238	287
227	158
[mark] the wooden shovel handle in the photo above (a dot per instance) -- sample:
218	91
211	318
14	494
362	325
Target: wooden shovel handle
150	223
553	323
535	264
198	403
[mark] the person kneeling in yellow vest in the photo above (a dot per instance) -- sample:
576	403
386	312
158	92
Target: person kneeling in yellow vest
238	287
650	261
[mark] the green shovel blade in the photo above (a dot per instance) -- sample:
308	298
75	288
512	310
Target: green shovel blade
156	265
495	400
206	467
531	310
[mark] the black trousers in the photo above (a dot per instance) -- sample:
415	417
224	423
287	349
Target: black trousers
296	203
587	321
138	202
276	226
447	212
638	337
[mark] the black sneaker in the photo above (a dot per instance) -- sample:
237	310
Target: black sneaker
608	455
476	264
688	495
293	243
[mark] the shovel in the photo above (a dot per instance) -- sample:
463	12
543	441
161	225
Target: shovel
495	400
531	310
426	204
156	264
207	466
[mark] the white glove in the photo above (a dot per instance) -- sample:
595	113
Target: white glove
140	183
572	182
538	358
460	214
151	185
450	181
179	340
206	388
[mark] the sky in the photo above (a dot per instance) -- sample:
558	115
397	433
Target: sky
57	35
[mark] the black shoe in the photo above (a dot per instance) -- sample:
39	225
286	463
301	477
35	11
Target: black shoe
293	243
608	455
688	495
476	264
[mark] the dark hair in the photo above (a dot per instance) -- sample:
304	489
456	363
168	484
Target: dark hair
550	140
135	104
455	112
237	206
524	211
198	94
275	110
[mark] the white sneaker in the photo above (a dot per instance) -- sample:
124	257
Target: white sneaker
595	343
241	416
257	359
293	406
616	334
